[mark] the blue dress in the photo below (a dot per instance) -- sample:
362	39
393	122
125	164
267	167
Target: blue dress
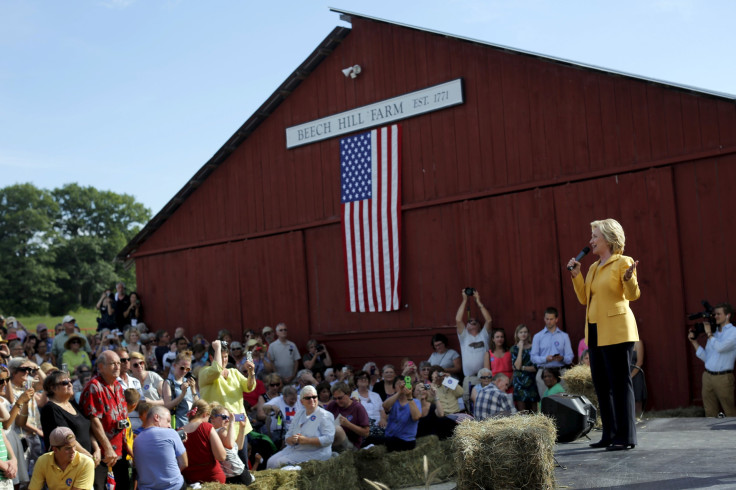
525	385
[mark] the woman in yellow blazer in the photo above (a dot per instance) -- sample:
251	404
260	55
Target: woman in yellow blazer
610	330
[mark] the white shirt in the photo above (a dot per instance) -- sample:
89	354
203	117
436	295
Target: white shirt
473	350
720	350
372	404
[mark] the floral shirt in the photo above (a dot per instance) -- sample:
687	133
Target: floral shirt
107	403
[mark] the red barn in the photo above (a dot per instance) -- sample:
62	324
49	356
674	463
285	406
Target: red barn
497	193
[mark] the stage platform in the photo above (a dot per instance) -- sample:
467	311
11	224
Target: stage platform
676	453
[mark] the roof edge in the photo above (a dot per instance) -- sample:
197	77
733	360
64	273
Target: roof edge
324	49
347	15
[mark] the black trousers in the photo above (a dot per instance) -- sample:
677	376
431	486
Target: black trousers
121	472
609	367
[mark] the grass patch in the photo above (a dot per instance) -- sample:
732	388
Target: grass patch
86	319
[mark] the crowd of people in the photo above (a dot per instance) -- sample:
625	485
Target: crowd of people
152	410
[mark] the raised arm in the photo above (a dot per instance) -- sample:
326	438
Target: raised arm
459	323
487	319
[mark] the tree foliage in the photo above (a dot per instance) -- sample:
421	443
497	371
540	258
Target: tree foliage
57	248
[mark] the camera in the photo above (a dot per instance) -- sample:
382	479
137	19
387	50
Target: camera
707	314
427	386
249	356
182	434
123	424
224	345
469	291
189	376
407	382
321	348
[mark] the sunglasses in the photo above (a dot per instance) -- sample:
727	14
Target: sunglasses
66	382
313	397
124	359
223	416
28	370
485	377
137	364
275	384
182	368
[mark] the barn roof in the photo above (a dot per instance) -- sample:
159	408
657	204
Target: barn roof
323	50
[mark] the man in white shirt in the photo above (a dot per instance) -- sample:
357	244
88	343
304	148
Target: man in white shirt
473	340
284	355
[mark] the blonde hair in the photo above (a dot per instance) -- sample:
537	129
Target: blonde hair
516	333
612	232
137	355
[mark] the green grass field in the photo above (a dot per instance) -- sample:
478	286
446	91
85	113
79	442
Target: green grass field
86	319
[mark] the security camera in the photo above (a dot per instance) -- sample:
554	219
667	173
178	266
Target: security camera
352	71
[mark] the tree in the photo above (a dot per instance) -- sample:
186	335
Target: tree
93	226
27	275
57	248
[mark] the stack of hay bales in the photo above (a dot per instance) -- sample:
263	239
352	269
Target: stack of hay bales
508	452
399	469
578	381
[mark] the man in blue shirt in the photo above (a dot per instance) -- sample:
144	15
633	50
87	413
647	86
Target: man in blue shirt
158	453
550	347
718	355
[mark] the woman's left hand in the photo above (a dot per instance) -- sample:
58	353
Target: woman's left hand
630	271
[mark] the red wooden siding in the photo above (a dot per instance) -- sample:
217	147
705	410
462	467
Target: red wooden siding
497	194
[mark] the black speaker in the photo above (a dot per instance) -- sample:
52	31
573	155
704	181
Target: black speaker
574	415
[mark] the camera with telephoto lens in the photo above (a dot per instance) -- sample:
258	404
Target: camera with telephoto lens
123	424
707	314
469	291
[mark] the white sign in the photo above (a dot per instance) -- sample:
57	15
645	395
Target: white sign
430	99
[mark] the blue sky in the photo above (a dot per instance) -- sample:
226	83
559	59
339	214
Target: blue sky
136	95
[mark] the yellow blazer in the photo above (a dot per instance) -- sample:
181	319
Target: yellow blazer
609	306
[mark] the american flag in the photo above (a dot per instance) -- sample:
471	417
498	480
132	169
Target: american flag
371	199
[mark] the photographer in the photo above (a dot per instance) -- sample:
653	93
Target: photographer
718	355
106	305
317	359
473	339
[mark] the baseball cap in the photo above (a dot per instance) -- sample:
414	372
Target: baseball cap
236	345
41	327
61	436
68	319
266	329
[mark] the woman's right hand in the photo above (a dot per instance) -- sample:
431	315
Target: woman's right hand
575	267
26	396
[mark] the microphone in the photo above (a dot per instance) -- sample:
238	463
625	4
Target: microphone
579	256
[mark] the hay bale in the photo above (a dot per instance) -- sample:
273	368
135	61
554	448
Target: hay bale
578	381
508	452
265	480
336	473
405	468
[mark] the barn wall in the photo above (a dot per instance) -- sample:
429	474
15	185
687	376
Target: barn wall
497	194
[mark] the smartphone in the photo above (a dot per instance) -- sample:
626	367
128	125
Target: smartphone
239	417
407	382
249	356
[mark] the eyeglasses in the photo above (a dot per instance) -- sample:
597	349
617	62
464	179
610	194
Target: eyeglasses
485	377
124	359
275	384
313	397
137	364
66	382
237	348
186	369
